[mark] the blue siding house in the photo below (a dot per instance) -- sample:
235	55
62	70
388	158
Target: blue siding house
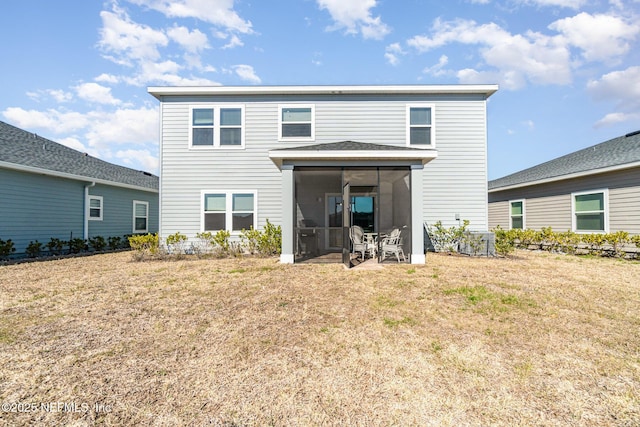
50	191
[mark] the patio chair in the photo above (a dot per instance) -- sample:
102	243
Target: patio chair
392	245
358	244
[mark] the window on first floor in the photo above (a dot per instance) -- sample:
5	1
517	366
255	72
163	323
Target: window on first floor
516	214
420	127
228	210
95	208
590	211
296	122
140	217
217	127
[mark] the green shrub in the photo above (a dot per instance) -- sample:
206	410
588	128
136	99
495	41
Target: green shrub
6	248
504	241
267	242
114	242
97	243
34	249
77	245
447	239
144	245
176	243
56	246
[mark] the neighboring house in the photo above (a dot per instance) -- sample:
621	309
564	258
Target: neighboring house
51	191
596	189
399	156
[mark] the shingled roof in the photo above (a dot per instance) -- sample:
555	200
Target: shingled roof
348	146
617	152
23	148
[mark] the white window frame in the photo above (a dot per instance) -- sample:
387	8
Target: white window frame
100	198
605	198
432	126
228	220
524	218
217	126
140	202
297	138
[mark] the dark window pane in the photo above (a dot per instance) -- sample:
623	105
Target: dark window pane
590	222
296	130
141	224
230	117
203	117
214	221
231	136
420	116
516	222
242	220
202	136
94	213
420	136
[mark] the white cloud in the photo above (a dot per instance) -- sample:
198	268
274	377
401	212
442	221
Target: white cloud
571	4
95	93
438	70
516	58
354	16
137	158
616	118
216	12
233	42
600	37
246	72
107	78
51	120
191	41
622	86
392	53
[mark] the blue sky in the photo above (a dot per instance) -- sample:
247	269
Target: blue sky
76	72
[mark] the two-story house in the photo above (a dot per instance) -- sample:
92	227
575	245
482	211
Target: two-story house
395	156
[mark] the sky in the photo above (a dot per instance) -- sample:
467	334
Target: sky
77	71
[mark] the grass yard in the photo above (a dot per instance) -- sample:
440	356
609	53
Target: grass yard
537	339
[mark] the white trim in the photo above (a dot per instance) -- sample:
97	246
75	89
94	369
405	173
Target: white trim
229	208
133	227
48	172
287	258
424	155
524	218
605	197
568	176
160	91
217	126
431	126
297	138
89	199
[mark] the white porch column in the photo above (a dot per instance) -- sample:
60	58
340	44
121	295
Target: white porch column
417	234
287	255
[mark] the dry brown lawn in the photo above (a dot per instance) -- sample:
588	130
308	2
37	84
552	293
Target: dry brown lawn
537	339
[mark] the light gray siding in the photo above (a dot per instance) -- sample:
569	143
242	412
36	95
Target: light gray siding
549	205
455	182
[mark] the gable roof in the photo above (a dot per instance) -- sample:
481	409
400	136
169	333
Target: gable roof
27	151
617	153
348	146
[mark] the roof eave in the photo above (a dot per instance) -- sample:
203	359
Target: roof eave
566	177
48	172
279	156
160	91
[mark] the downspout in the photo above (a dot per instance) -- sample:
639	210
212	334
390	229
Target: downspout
85	234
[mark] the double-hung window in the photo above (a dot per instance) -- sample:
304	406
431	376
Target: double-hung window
217	126
516	214
95	208
232	211
590	211
296	122
140	217
420	129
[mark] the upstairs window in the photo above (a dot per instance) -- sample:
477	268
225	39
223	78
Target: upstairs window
516	215
297	122
420	129
590	211
217	127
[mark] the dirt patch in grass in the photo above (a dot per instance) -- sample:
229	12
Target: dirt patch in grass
537	339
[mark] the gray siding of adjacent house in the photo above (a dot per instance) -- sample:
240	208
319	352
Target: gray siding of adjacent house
117	216
455	182
39	207
549	205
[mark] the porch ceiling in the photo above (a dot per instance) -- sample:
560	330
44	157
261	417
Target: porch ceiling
351	151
